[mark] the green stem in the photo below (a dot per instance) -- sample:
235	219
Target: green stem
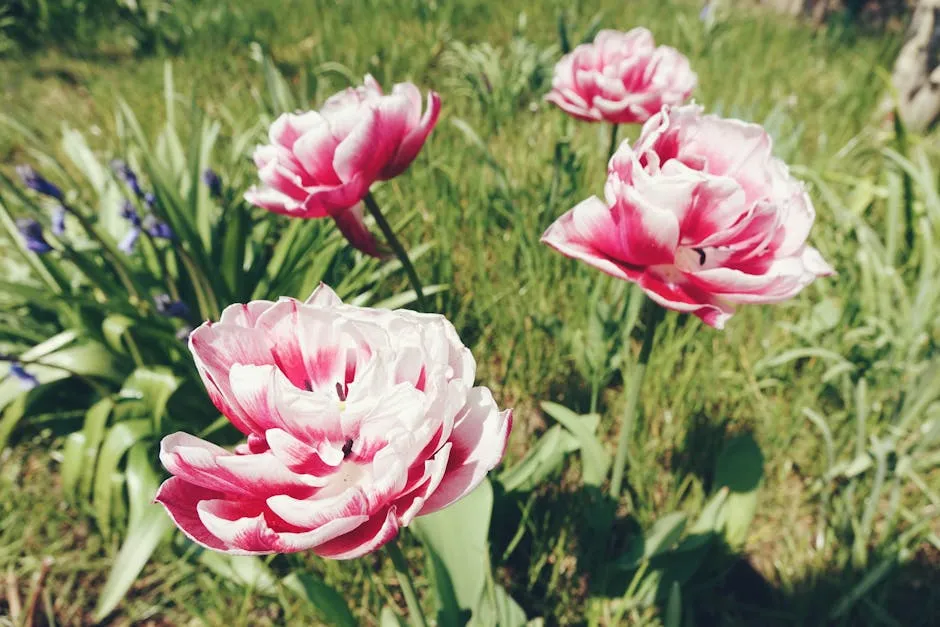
399	250
407	585
613	141
651	316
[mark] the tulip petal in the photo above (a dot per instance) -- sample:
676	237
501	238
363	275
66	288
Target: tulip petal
241	476
479	439
352	225
180	499
380	529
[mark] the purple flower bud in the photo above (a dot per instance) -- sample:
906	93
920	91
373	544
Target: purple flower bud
32	236
157	228
58	221
34	181
170	308
150	200
129	243
124	172
129	213
27	381
212	180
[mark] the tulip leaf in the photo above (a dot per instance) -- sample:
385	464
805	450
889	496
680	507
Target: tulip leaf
120	438
70	469
455	540
595	461
141	540
499	608
544	458
244	570
113	329
154	387
740	468
390	619
96	419
663	535
327	600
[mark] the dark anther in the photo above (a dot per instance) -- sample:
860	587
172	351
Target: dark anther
347	448
701	256
341	391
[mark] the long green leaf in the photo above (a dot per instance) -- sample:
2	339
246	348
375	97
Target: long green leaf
595	460
119	439
328	601
139	544
456	536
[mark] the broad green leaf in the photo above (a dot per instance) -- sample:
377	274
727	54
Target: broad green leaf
595	460
154	387
96	419
501	610
456	536
113	328
661	537
119	439
89	359
740	468
408	297
139	544
327	600
673	614
544	458
245	570
73	454
389	618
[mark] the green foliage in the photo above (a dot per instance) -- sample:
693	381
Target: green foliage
115	342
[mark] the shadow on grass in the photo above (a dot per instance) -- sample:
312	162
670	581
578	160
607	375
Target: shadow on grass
553	573
888	593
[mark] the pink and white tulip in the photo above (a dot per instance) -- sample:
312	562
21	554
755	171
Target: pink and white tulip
357	420
621	78
321	163
699	214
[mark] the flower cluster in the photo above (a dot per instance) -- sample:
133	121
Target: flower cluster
357	420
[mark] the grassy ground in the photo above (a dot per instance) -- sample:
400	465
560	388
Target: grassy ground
501	165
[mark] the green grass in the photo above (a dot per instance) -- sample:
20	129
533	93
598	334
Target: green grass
500	166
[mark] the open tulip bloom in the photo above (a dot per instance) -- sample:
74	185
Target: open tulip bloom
621	78
703	218
322	163
357	420
700	215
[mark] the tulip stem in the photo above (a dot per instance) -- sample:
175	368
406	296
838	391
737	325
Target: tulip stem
651	316
400	251
407	585
613	141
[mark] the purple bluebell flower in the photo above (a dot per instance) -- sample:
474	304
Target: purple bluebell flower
58	220
26	380
124	172
213	181
32	235
129	243
150	200
157	228
36	182
129	213
707	12
171	308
